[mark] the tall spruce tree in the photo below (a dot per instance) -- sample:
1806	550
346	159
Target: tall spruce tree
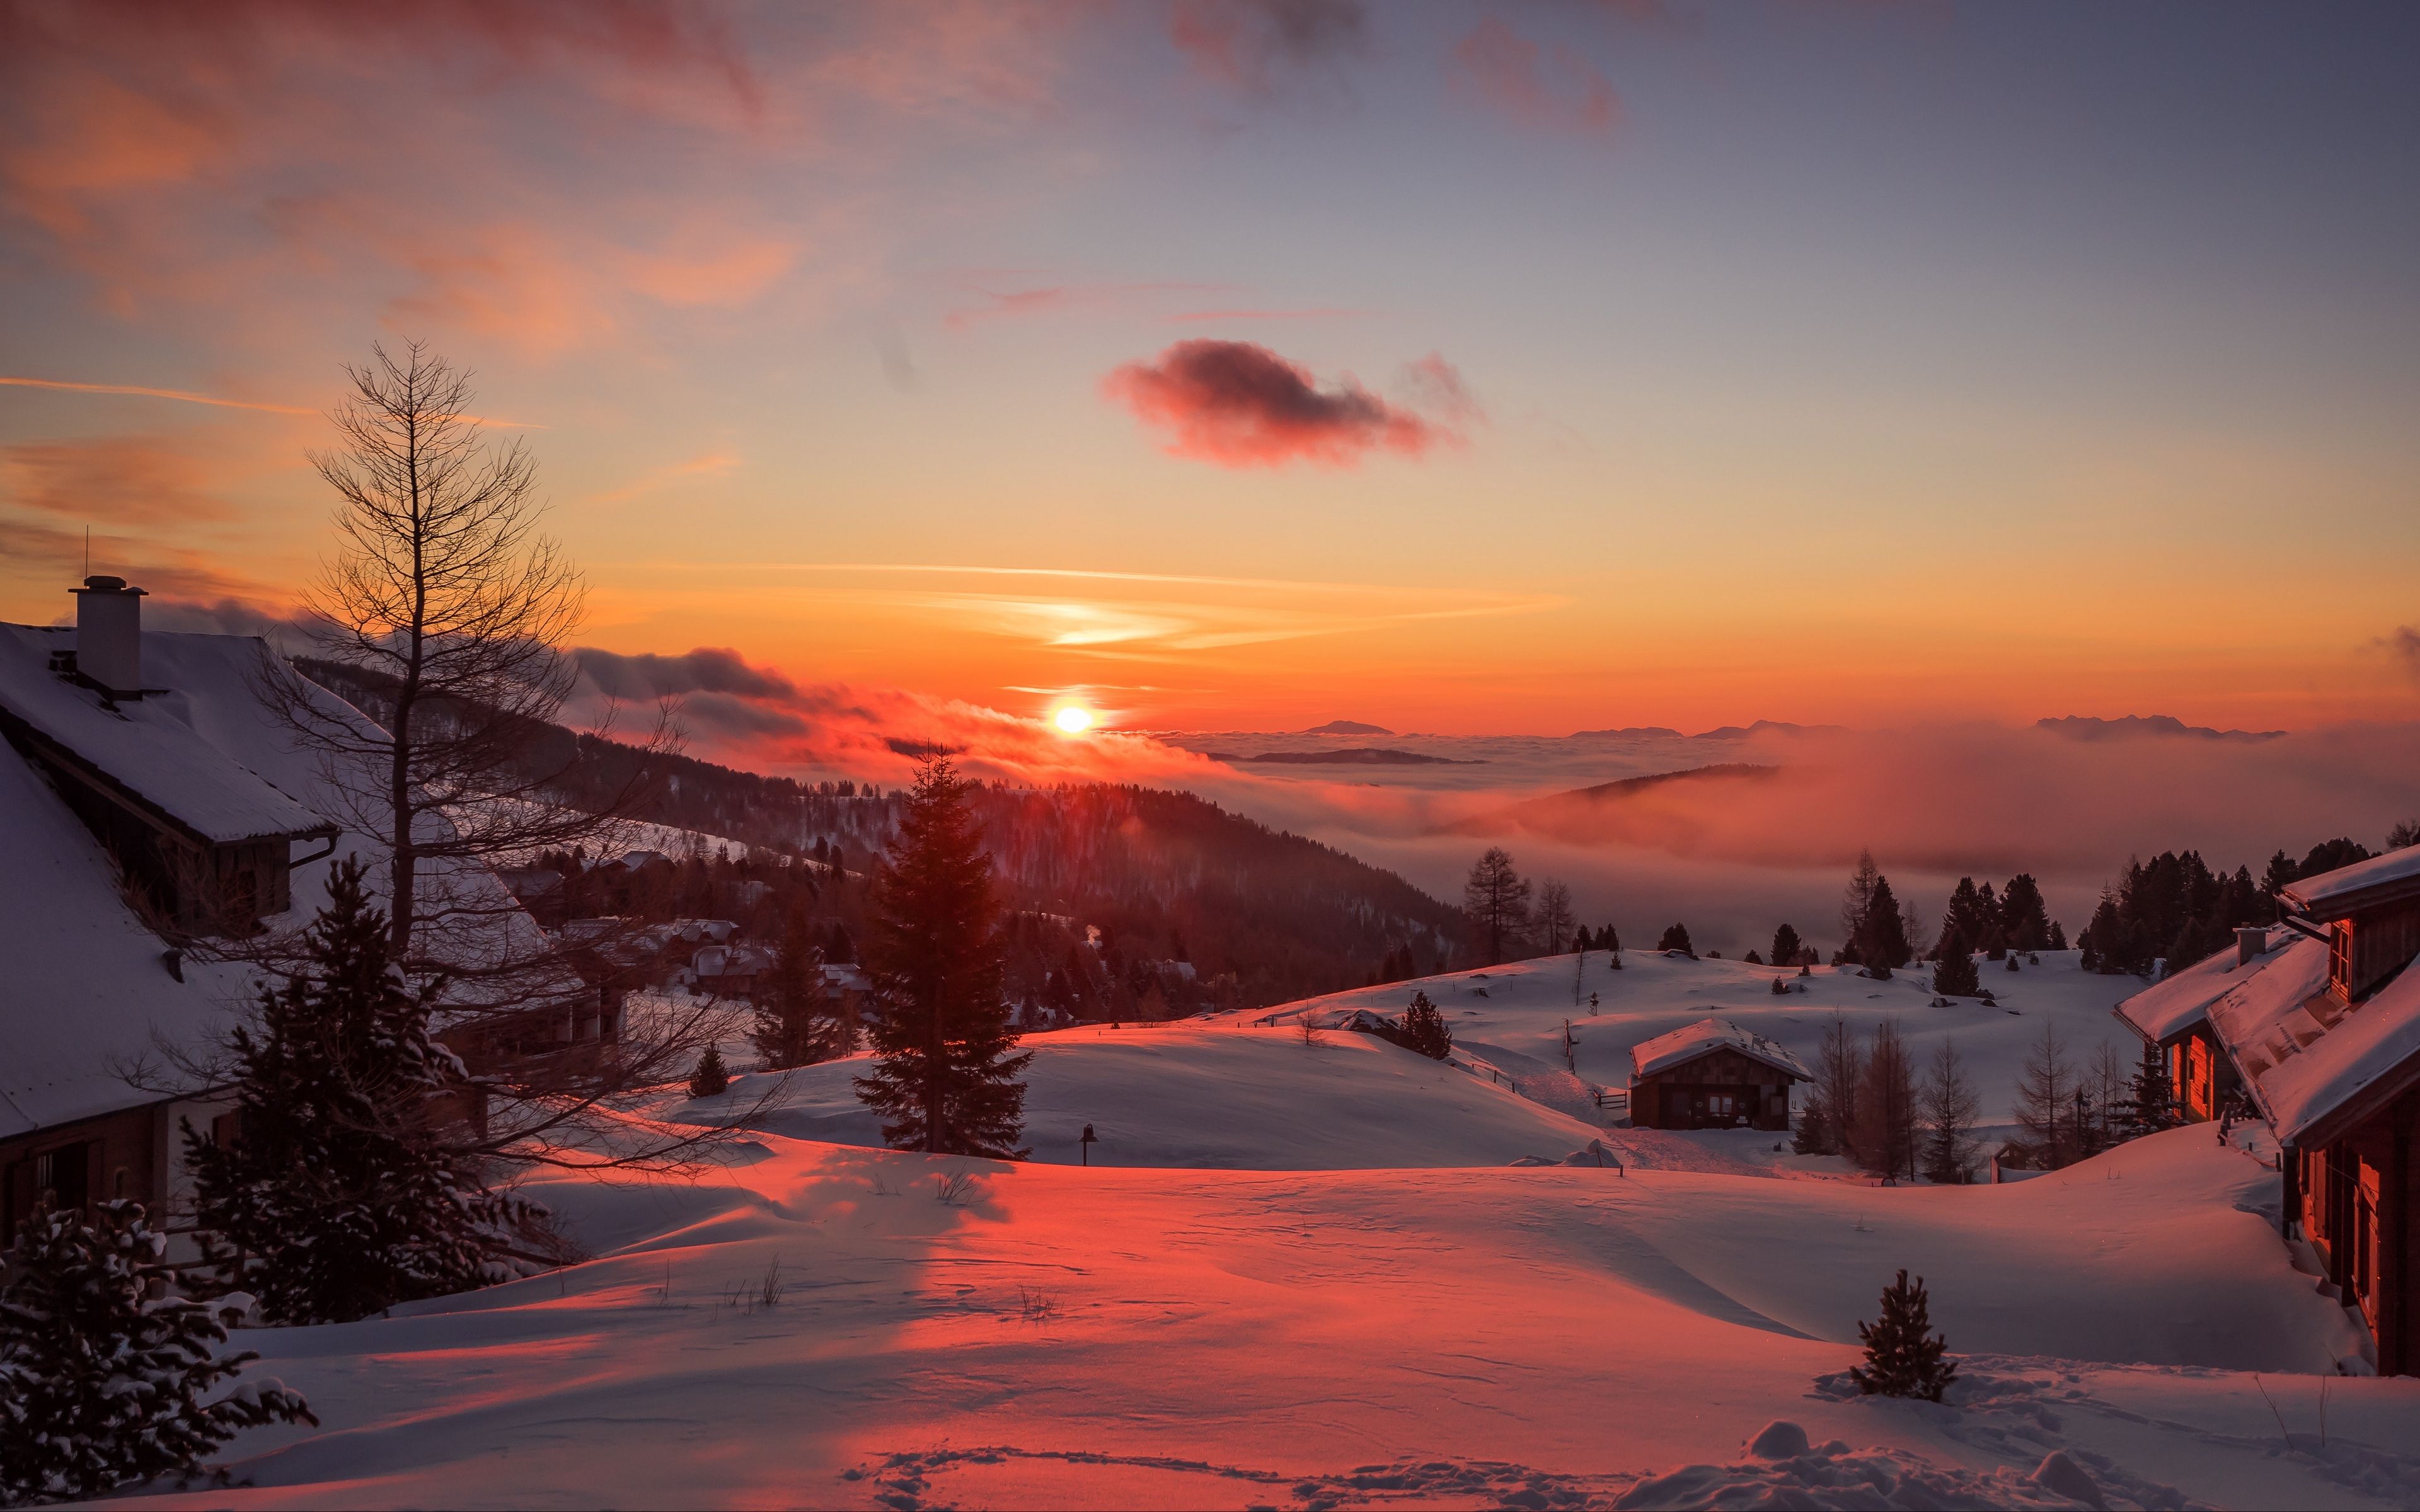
1903	1356
946	1076
346	1187
102	1381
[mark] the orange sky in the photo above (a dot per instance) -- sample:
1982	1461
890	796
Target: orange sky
1449	370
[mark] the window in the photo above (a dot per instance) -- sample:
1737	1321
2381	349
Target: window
66	1174
2341	958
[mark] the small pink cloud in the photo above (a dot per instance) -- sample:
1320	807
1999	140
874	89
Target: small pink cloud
1546	89
1240	405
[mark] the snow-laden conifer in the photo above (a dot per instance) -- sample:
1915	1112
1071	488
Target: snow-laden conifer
104	1380
348	1185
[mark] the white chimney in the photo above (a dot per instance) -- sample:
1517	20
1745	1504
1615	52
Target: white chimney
2249	945
109	634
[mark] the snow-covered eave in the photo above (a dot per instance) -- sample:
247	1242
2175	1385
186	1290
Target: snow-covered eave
2392	878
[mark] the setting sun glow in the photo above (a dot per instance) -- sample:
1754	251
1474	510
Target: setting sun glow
1072	719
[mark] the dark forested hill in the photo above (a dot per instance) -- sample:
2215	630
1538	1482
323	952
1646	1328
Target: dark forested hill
1127	897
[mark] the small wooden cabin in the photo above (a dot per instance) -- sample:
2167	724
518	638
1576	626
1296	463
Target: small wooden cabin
1711	1074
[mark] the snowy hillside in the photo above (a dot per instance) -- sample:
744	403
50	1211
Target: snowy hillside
1242	1091
1513	1015
1534	1337
1222	1094
1305	1272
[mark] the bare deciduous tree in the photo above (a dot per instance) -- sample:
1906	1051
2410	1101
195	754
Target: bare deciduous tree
1553	914
1496	897
441	618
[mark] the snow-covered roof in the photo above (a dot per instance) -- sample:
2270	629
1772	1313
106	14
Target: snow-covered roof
1707	1035
147	747
2333	894
85	991
2178	1001
2367	1043
731	961
2303	1053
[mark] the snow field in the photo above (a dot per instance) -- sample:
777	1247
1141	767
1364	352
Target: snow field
1554	1336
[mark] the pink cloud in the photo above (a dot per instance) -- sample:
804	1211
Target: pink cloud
1240	405
1241	42
1546	89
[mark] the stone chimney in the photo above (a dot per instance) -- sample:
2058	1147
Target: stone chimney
2250	943
109	634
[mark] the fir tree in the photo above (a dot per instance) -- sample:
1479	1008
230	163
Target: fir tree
712	1078
795	1024
1676	938
1814	1134
945	1076
2058	935
2025	920
102	1384
1786	946
1904	1357
1881	944
346	1189
2104	941
1955	974
1425	1030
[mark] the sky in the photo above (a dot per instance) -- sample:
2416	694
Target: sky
1461	367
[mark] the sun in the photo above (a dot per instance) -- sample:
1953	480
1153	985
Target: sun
1073	718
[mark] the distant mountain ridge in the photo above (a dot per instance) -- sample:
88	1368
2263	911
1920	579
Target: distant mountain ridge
2140	726
1349	756
1582	808
1347	727
1729	732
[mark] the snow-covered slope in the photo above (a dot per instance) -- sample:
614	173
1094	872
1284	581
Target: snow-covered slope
1223	1094
1513	1015
1535	1338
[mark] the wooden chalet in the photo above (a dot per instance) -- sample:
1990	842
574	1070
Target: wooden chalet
1711	1074
2320	1036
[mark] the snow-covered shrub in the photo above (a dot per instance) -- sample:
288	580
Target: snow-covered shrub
102	1384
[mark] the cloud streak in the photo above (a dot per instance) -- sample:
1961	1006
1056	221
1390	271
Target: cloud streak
1239	405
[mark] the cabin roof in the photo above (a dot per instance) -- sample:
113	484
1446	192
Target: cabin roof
2178	1002
1705	1037
2335	894
149	748
89	993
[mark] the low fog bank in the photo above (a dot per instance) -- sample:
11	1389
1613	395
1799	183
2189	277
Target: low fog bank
1731	858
